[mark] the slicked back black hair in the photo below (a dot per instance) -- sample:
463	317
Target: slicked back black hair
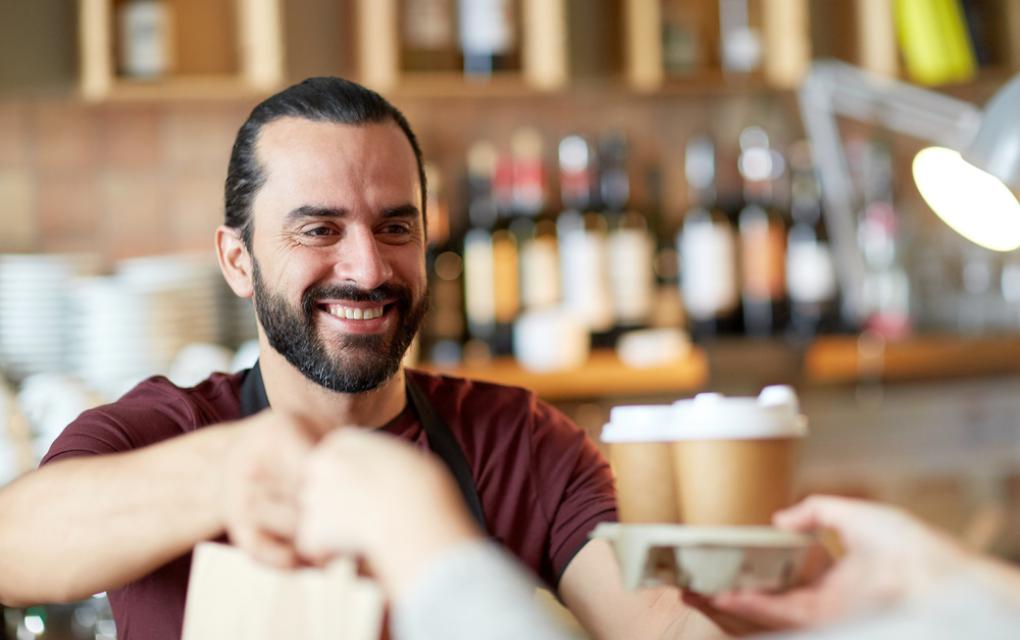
319	99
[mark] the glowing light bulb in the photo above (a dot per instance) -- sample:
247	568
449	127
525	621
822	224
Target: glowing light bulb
975	204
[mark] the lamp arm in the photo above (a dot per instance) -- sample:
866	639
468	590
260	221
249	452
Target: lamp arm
834	89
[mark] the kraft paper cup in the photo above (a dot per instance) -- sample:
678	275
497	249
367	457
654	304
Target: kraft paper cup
640	452
735	458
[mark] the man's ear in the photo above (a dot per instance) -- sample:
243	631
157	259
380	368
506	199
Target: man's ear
235	260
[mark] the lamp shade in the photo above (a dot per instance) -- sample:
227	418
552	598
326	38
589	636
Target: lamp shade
971	191
996	147
973	202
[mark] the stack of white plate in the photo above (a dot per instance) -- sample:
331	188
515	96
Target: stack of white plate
131	325
33	309
192	280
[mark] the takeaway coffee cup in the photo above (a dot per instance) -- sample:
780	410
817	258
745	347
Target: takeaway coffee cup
640	451
734	458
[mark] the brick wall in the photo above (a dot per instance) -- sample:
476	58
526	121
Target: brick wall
121	180
127	179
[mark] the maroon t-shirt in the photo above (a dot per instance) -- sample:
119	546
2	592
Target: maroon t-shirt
542	483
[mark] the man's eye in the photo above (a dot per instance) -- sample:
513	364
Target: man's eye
396	229
319	231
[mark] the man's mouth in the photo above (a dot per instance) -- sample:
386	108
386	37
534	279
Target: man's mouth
350	312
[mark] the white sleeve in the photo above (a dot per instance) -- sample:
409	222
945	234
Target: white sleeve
473	592
962	609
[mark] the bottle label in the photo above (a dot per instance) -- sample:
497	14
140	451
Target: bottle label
708	269
145	38
540	268
479	278
585	262
632	276
763	257
506	285
810	274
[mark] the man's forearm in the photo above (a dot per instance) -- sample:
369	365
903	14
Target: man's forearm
89	524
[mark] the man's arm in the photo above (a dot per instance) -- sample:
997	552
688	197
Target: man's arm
592	590
83	525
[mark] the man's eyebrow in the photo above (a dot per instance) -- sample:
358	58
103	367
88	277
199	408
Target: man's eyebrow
403	211
311	211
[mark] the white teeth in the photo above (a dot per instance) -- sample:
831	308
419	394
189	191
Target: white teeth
354	313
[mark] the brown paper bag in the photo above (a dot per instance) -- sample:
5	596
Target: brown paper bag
232	596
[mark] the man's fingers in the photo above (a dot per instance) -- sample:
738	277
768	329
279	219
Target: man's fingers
277	516
273	551
264	547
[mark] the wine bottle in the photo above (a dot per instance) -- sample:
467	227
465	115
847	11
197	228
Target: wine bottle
582	236
488	37
427	40
443	330
886	293
707	248
479	265
810	270
762	236
534	224
146	38
631	247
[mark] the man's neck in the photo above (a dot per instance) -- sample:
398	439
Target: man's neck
289	390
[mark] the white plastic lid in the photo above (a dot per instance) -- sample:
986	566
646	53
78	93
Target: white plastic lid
775	413
641	423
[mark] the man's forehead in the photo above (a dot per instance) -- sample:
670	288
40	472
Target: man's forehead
290	133
299	149
326	164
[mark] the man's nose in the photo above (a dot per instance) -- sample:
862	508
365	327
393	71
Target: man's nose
361	260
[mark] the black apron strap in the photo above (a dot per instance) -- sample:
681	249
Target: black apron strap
438	434
444	445
253	392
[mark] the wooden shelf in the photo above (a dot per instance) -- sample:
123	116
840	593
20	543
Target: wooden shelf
256	41
850	359
182	88
603	375
456	85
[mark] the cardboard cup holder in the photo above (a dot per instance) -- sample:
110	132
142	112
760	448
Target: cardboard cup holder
706	559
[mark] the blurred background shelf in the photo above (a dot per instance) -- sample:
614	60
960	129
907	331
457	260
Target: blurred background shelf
603	375
849	359
651	46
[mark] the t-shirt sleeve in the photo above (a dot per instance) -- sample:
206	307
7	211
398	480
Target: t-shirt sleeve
574	484
148	414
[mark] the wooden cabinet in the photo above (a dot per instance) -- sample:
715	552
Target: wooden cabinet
217	47
228	47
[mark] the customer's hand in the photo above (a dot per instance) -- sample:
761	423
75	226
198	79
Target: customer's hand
262	475
371	494
889	557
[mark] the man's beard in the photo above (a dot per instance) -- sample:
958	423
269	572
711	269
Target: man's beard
356	362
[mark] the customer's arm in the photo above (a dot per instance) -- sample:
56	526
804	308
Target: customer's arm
88	524
371	494
891	560
472	591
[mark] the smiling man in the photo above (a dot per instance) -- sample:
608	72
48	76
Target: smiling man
325	230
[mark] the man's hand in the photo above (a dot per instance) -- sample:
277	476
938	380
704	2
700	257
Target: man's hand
262	476
889	557
374	495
